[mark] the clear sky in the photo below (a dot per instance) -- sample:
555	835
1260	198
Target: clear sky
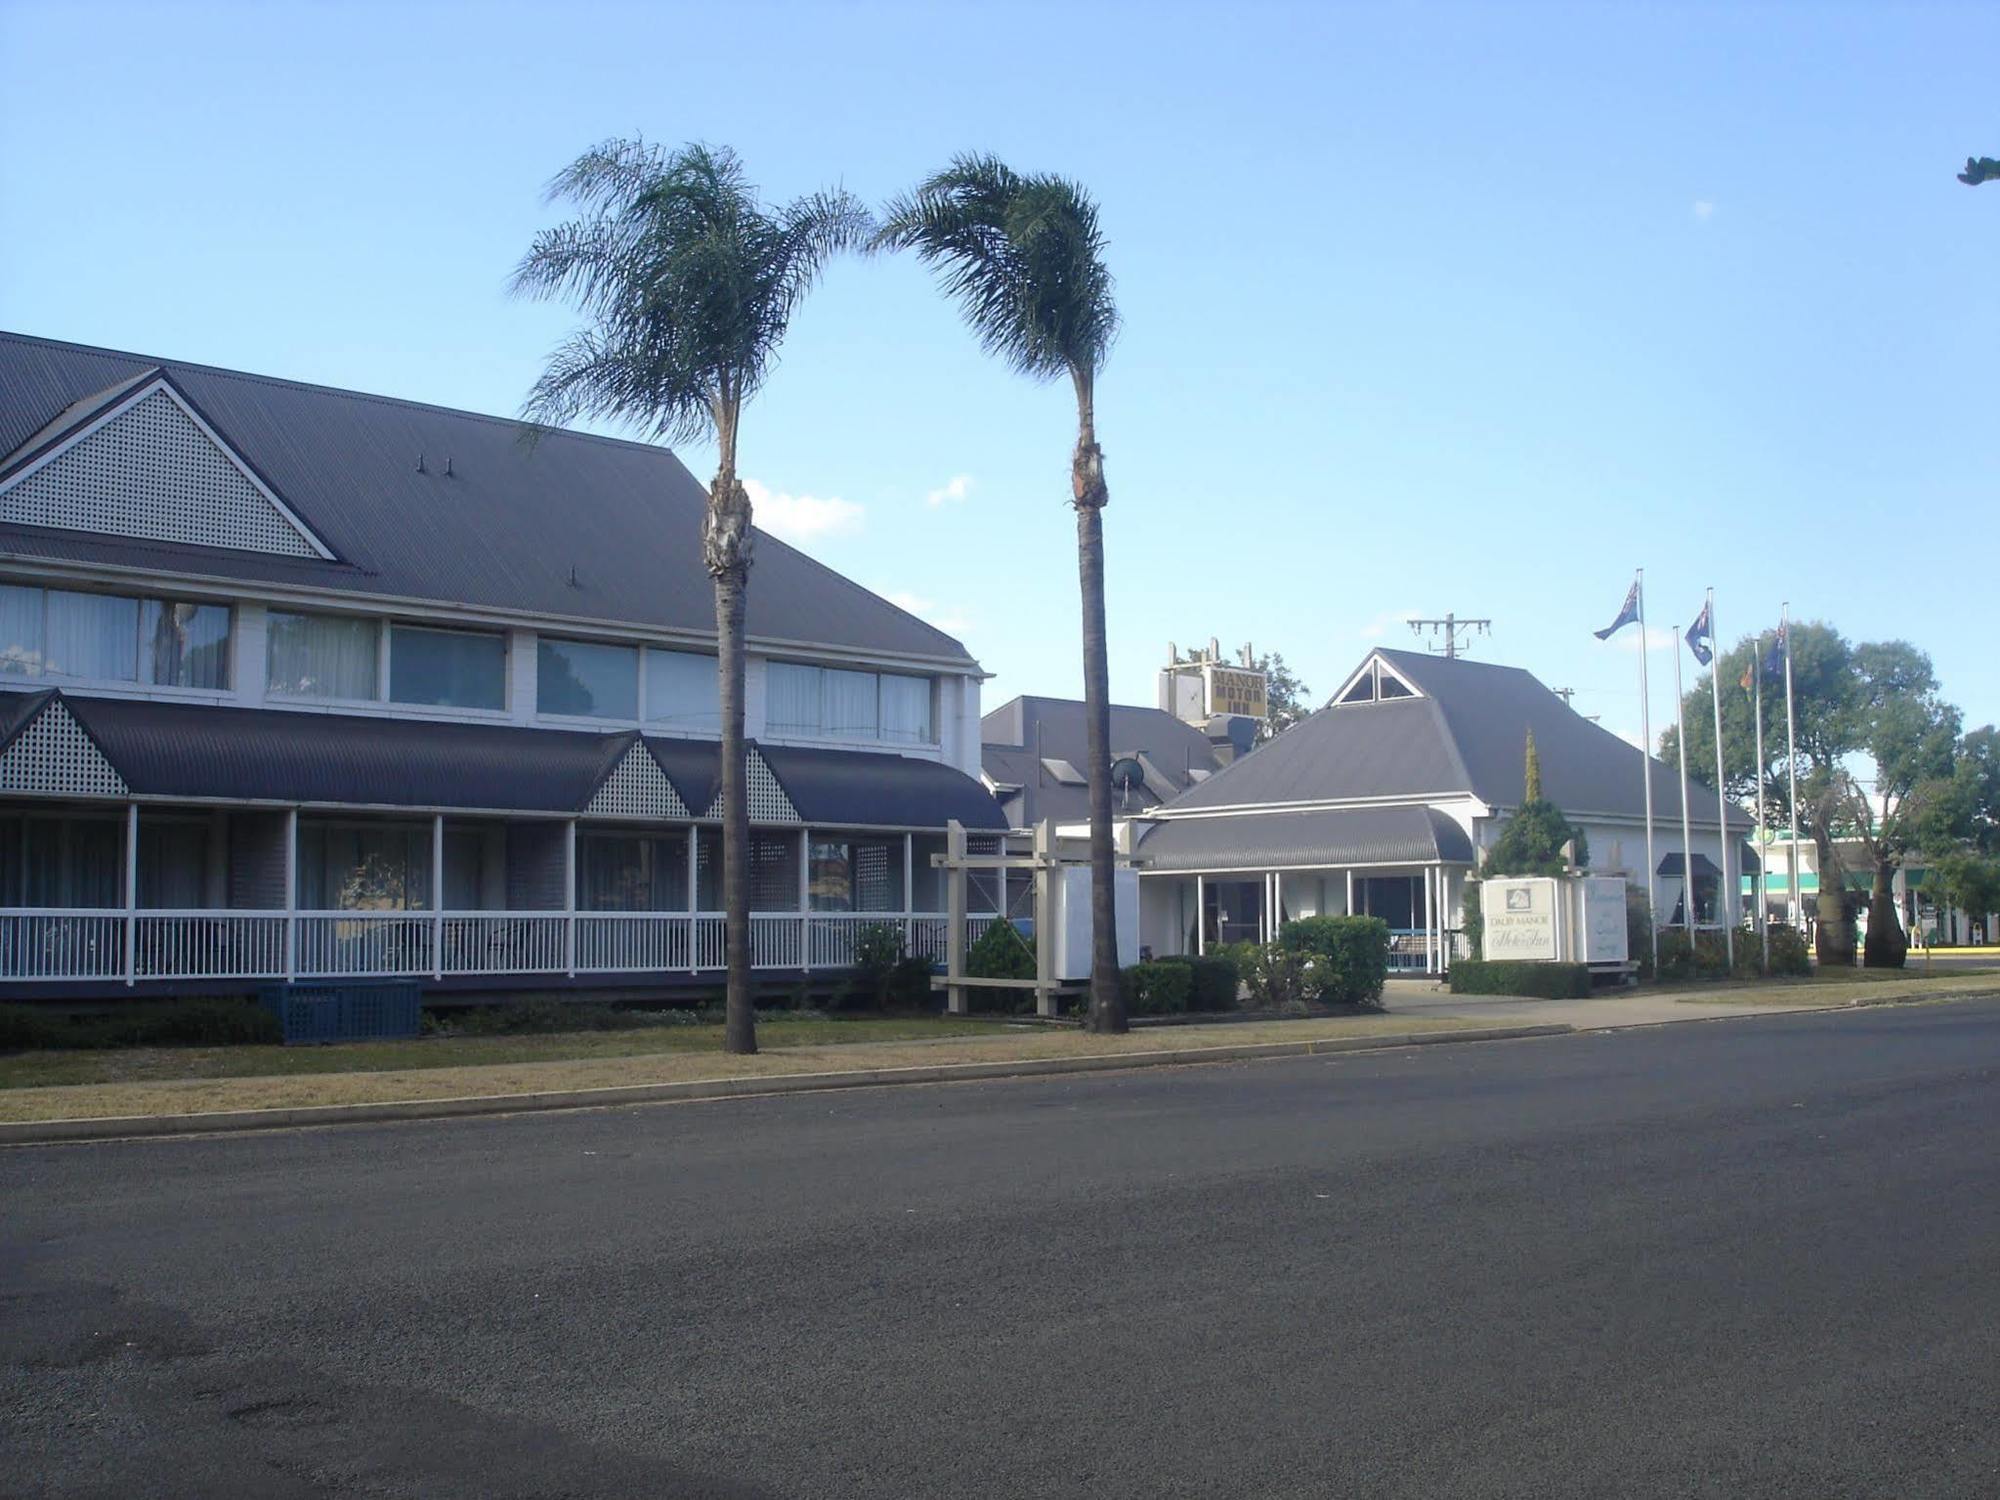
1427	307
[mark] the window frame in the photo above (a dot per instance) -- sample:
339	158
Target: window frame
141	680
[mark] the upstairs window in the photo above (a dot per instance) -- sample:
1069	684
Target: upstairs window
325	656
834	703
339	657
447	668
683	692
113	638
586	679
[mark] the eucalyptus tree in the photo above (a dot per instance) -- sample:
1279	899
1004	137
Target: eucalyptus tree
687	283
1023	257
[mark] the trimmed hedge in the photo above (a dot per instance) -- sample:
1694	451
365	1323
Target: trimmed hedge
145	1023
1216	977
1348	957
1471	976
1158	988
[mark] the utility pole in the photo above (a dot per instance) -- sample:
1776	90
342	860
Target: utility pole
1565	694
1451	627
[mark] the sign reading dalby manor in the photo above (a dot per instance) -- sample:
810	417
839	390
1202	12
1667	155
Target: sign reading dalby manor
1520	917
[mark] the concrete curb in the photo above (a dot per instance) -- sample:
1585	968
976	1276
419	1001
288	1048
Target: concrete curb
125	1127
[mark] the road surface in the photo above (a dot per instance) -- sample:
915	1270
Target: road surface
1746	1257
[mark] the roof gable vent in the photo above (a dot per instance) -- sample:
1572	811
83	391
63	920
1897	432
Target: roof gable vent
769	802
151	467
636	788
1374	682
52	756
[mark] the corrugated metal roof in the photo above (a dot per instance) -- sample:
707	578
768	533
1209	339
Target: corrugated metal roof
1330	838
1467	735
250	754
1023	732
504	531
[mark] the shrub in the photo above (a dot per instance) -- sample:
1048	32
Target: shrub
1216	977
1348	957
145	1023
878	949
1000	953
1277	978
1159	988
1473	921
1788	951
1472	976
1639	930
909	984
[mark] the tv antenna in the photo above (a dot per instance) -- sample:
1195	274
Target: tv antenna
1452	629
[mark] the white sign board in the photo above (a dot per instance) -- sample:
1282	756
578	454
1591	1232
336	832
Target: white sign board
1520	915
1603	899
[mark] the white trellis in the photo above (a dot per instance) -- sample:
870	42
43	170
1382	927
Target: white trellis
1042	860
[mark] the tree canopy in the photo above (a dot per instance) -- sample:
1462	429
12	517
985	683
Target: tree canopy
1287	699
1531	842
1979	169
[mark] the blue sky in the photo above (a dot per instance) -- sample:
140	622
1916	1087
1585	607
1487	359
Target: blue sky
1426	307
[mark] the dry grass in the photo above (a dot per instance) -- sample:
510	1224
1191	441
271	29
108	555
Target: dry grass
198	1095
1838	987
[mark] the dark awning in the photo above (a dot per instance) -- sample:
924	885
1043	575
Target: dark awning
1670	866
1315	839
201	751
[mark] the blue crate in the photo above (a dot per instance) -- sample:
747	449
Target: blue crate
352	1012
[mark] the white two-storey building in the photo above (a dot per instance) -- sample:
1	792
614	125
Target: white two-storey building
298	682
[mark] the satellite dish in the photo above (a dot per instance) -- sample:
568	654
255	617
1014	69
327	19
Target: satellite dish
1127	773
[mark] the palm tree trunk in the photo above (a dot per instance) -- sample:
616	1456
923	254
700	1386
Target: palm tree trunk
1107	1005
726	541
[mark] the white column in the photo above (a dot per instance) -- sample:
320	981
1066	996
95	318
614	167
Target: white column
437	895
131	884
694	895
569	896
1200	917
1350	892
910	887
291	894
805	896
954	932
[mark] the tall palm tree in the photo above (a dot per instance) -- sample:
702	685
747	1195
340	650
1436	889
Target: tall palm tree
687	284
1024	259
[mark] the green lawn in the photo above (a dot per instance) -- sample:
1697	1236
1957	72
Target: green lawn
145	1064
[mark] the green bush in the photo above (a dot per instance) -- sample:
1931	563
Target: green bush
1000	953
1215	980
909	984
144	1023
1473	921
1703	957
1639	930
1347	957
1472	976
1788	951
1159	988
1276	978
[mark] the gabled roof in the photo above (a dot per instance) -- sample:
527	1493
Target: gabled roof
1464	735
197	750
571	526
1029	741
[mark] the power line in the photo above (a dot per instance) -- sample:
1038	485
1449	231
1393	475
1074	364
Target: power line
1452	628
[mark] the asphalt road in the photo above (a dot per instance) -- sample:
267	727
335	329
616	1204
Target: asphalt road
1748	1257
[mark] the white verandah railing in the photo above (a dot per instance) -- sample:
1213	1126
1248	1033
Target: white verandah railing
92	943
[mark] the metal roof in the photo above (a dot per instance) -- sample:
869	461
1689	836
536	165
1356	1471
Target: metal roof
1023	733
509	529
1326	838
1466	735
202	751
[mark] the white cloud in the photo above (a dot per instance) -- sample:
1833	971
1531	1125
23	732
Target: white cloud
952	492
947	617
1378	627
802	518
1658	638
1704	210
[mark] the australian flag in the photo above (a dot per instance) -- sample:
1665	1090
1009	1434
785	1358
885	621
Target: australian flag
1703	637
1626	616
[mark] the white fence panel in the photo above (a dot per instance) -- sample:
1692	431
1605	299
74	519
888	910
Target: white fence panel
208	945
62	944
361	944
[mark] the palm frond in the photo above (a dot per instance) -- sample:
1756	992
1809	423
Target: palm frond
1022	256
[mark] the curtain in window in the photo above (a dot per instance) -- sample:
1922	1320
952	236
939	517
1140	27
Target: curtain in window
791	698
364	867
464	869
708	869
451	668
850	704
830	871
631	872
73	862
906	710
683	692
587	678
20	630
91	635
322	656
173	864
928	885
183	644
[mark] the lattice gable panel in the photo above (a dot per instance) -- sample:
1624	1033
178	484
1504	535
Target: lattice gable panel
637	788
768	802
53	756
152	471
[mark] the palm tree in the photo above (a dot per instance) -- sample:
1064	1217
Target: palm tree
687	284
1024	259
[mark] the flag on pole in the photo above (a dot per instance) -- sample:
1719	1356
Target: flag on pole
1775	658
1626	616
1701	635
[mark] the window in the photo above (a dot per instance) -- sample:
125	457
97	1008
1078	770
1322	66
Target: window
173	863
683	692
113	638
62	861
631	872
324	656
834	703
364	866
774	871
857	874
587	678
449	668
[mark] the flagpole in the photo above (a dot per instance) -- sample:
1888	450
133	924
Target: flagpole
1646	774
1687	832
1792	766
1761	883
1729	892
